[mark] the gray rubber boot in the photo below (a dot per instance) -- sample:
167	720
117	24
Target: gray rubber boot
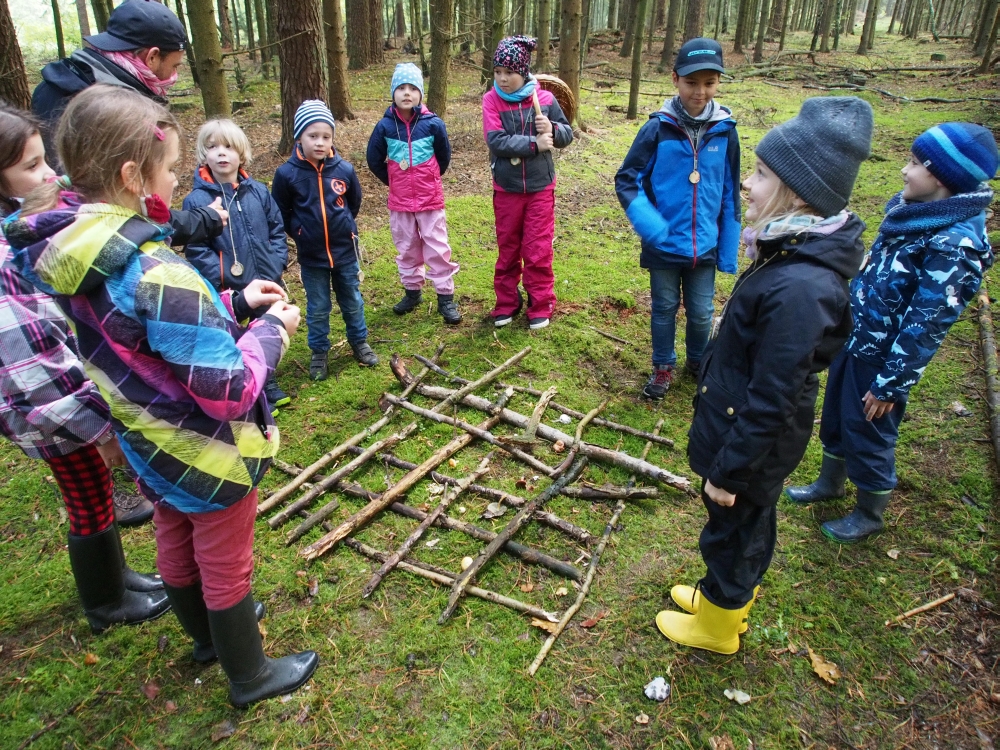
253	676
862	522
829	485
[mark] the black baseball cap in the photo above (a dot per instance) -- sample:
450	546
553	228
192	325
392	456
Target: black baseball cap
699	54
139	24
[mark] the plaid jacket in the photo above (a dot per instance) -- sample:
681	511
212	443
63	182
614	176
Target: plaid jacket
49	408
183	381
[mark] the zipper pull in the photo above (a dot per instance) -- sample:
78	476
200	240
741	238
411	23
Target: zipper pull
239	207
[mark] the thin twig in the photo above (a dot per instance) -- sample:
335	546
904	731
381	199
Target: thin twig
918	610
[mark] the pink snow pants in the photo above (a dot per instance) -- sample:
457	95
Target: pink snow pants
421	239
525	229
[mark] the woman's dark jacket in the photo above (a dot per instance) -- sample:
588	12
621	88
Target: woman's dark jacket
788	317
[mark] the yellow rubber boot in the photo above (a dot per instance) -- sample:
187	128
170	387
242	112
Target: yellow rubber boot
688	598
711	628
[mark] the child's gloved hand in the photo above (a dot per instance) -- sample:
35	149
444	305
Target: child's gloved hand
544	142
542	124
261	292
718	495
216	206
289	315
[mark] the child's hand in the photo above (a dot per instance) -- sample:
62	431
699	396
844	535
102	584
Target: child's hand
289	315
542	124
260	292
718	495
111	453
875	409
543	142
216	206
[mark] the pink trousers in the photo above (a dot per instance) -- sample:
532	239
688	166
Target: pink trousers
215	548
525	229
421	239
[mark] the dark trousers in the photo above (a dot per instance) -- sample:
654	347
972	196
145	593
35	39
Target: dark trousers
869	448
737	545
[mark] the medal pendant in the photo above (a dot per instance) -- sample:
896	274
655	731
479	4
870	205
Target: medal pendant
515	161
404	165
361	276
236	268
694	178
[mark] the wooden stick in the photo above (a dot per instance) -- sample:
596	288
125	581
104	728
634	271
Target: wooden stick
347	469
553	405
483	435
918	610
534	102
578	438
419	569
279	496
412	539
989	344
612	493
528	436
610	336
522	517
591	572
489	377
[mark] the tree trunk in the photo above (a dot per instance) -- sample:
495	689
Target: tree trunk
13	79
667	55
612	13
437	90
302	73
774	25
57	22
493	17
827	20
208	56
838	12
569	46
895	13
629	11
400	19
418	30
983	26
694	20
868	30
338	90
188	49
758	50
225	30
784	24
101	14
251	44
84	16
520	16
544	12
991	41
359	36
659	14
376	30
633	89
741	24
262	41
584	30
235	19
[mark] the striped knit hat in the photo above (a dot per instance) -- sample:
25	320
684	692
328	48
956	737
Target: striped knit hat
310	111
961	155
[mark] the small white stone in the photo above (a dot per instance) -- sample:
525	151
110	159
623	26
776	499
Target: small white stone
658	689
565	419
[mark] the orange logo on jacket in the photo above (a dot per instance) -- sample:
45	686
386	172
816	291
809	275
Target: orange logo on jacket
339	187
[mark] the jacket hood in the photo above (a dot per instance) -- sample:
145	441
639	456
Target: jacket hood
84	68
721	113
73	248
205	180
298	160
842	251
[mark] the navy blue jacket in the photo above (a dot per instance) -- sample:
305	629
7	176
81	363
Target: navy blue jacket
318	205
255	233
679	222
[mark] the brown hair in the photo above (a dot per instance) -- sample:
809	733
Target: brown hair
16	127
102	129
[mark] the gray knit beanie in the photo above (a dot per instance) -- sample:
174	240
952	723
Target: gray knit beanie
819	151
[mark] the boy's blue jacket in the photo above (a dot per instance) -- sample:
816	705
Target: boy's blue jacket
318	205
255	228
916	281
678	221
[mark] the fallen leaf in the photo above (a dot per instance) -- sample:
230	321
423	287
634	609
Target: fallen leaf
959	408
303	715
721	743
222	730
91	659
893	554
827	670
642	719
549	627
527	588
313	586
161	644
494	510
169	707
562	591
425	507
433	542
792	648
593	620
151	690
737	695
435	489
558	446
521	483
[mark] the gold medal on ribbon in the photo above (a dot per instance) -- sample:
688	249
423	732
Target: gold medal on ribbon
515	161
236	268
404	165
694	178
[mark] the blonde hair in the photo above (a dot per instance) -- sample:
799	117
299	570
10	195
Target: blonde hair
223	132
781	205
103	128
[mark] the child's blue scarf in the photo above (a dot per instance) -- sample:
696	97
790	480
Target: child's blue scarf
518	96
902	217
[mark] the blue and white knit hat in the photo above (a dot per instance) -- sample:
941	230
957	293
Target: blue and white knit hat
961	155
407	73
310	111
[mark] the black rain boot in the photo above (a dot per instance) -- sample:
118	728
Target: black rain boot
449	310
97	567
410	302
189	605
829	485
144	582
863	521
253	676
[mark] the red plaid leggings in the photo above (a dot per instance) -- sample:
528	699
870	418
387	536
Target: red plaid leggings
86	488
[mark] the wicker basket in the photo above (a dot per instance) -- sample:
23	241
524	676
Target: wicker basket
562	93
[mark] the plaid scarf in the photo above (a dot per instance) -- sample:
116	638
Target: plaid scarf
790	225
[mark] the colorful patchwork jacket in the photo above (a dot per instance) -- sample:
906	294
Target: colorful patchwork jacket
410	158
183	381
922	271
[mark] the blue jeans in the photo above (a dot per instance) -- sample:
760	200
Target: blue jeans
698	284
343	280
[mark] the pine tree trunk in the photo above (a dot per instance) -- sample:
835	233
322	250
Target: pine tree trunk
188	49
868	30
895	14
612	13
359	35
57	22
758	50
784	24
544	12
101	14
417	22
262	40
741	25
584	31
983	26
837	13
251	44
437	89
629	11
633	89
777	12
827	21
13	78
303	75
208	56
494	12
225	30
376	30
235	19
338	85
84	17
694	20
569	46
667	55
991	41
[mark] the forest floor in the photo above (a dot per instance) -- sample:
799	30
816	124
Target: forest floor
390	676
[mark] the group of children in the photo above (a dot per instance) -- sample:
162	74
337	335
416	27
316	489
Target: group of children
175	387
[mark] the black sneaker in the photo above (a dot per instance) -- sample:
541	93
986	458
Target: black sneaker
659	383
319	368
410	302
364	354
449	310
275	396
535	323
501	320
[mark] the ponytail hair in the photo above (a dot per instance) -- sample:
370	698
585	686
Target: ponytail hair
103	128
16	128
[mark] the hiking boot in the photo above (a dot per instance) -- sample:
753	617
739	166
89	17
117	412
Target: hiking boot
131	508
319	367
501	320
829	485
536	323
659	382
409	303
449	310
275	396
188	603
862	522
364	354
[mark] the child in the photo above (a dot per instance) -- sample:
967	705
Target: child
925	266
679	188
409	151
253	244
787	318
182	380
524	181
319	196
51	411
